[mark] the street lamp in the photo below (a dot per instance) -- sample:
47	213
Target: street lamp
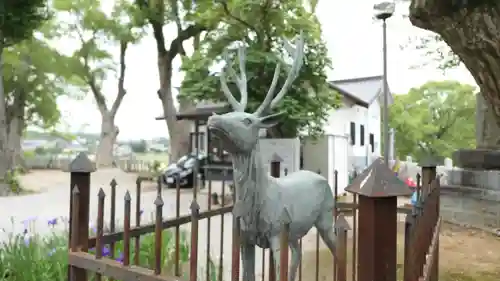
383	11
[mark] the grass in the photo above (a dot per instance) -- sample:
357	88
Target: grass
162	157
28	256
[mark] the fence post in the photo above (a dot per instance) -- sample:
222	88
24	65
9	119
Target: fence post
341	227
429	174
80	169
409	222
378	189
275	172
193	258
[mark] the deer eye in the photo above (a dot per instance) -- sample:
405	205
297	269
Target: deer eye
247	121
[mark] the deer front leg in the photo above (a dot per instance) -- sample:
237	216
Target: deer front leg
275	248
248	261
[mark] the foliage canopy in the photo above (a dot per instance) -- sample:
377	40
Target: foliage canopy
20	18
436	118
261	27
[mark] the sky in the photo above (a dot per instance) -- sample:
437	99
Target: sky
354	41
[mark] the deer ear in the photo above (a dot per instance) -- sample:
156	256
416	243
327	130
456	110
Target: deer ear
270	120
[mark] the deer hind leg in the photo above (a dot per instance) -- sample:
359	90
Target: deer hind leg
275	248
324	225
295	260
248	261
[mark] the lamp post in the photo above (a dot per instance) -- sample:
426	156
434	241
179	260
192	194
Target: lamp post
383	11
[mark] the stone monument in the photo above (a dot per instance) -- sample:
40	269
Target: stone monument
260	199
486	155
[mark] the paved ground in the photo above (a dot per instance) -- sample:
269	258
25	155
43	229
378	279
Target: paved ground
53	202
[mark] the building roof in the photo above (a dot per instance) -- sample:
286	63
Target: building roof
201	111
362	90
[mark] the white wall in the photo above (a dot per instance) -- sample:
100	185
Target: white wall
339	124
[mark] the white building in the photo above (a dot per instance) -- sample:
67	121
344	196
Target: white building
352	133
352	137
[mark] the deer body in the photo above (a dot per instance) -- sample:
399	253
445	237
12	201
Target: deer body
261	199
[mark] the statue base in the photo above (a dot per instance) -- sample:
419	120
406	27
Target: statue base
477	159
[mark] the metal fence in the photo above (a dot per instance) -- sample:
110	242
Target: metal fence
421	237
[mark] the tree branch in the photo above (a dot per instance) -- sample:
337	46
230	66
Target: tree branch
159	37
176	44
121	79
225	8
178	23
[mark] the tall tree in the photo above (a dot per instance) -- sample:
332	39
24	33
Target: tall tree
101	35
32	83
470	29
436	118
19	19
261	26
191	18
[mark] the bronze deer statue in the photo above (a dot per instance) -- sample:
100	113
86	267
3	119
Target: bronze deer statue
261	199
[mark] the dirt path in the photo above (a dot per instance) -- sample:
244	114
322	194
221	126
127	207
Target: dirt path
464	254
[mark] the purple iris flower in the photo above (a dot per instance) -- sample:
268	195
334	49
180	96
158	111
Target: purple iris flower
27	240
120	258
105	251
52	222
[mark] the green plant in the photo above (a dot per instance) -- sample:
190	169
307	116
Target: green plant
12	179
29	256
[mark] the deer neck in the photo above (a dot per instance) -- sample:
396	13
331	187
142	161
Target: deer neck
250	178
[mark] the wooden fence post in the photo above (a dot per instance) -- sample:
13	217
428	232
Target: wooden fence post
378	189
429	176
80	168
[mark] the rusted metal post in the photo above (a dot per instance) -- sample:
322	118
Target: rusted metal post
409	222
80	168
193	258
275	172
378	188
341	227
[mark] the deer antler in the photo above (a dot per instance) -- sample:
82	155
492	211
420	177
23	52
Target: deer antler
241	80
297	55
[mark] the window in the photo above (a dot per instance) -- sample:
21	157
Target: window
353	133
372	142
362	135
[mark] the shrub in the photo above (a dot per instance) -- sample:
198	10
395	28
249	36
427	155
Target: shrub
29	256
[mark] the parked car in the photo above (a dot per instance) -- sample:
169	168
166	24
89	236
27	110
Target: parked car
183	170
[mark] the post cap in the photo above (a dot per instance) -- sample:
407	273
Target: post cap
341	223
158	201
378	181
195	207
81	164
101	193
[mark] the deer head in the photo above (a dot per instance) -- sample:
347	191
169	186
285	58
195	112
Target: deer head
239	130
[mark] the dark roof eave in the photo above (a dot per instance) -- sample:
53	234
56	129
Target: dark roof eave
355	99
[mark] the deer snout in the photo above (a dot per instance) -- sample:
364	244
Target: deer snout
214	121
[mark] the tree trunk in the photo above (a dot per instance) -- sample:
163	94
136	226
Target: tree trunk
15	131
177	130
473	33
4	188
109	133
